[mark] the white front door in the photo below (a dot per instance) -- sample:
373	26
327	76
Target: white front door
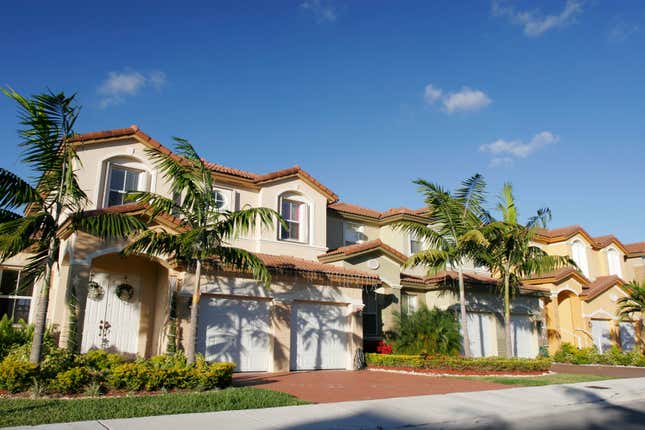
482	334
235	330
524	338
627	336
601	334
112	322
319	335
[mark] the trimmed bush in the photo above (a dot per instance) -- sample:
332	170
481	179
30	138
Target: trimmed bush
456	363
12	336
16	375
568	353
99	359
72	381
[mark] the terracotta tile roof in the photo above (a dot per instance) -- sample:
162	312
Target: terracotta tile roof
288	263
635	248
557	276
371	213
600	285
445	276
566	233
135	208
357	248
252	177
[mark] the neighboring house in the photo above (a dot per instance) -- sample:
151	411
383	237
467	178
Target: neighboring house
308	319
582	306
365	239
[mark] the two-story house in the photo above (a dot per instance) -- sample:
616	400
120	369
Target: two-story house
368	240
582	305
310	317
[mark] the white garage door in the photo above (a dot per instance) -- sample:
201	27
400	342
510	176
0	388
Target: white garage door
482	334
235	330
601	334
627	336
318	336
523	337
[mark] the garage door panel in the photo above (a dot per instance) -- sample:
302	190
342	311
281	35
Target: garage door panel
627	336
318	337
601	334
524	338
235	330
481	334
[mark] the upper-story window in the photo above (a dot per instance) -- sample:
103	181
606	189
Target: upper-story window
15	299
353	233
223	199
613	262
121	181
416	244
295	213
579	255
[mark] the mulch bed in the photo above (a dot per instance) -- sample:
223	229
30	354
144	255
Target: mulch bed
441	372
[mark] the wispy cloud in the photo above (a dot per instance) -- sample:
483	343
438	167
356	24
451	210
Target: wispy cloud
621	30
505	152
535	22
120	85
322	10
464	100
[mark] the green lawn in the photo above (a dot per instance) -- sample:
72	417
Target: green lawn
14	412
534	381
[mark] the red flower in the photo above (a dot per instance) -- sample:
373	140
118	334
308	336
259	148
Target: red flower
383	348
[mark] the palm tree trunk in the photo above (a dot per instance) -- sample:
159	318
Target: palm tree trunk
41	309
192	331
507	316
464	316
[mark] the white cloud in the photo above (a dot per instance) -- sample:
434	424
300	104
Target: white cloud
463	100
621	31
324	11
432	94
506	151
534	22
119	85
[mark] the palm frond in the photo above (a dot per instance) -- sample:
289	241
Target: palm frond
244	260
107	225
15	192
429	258
472	192
231	225
157	243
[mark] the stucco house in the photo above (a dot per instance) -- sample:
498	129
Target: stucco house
581	307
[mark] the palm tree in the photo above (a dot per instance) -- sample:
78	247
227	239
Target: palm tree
205	231
50	198
510	255
453	233
635	302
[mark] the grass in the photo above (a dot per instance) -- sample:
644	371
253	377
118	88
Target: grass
14	412
536	381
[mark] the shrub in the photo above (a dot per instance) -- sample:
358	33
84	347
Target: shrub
130	376
428	331
213	375
73	380
99	359
16	375
456	363
383	348
568	353
12	336
55	361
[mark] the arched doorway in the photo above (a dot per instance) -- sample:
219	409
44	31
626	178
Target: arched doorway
568	316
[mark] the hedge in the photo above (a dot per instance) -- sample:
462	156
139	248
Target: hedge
452	363
614	356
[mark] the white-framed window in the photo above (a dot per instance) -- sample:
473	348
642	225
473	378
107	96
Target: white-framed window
353	233
15	299
416	244
121	181
223	199
613	262
295	214
579	255
409	304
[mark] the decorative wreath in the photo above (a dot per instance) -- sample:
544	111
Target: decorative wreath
95	291
125	292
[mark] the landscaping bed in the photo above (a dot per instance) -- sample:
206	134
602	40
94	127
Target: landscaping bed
569	354
444	372
459	365
15	412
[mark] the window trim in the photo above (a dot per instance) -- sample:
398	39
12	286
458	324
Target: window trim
141	182
304	222
613	252
15	296
584	264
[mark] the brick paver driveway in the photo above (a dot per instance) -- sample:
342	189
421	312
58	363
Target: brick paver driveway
324	386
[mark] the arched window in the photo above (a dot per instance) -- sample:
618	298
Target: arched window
613	262
295	211
122	176
579	255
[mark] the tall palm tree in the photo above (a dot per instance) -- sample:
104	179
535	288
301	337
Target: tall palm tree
510	254
51	197
634	303
205	231
453	233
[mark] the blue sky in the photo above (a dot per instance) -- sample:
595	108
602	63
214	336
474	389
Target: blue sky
365	95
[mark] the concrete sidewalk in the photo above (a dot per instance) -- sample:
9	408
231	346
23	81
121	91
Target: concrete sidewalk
617	404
